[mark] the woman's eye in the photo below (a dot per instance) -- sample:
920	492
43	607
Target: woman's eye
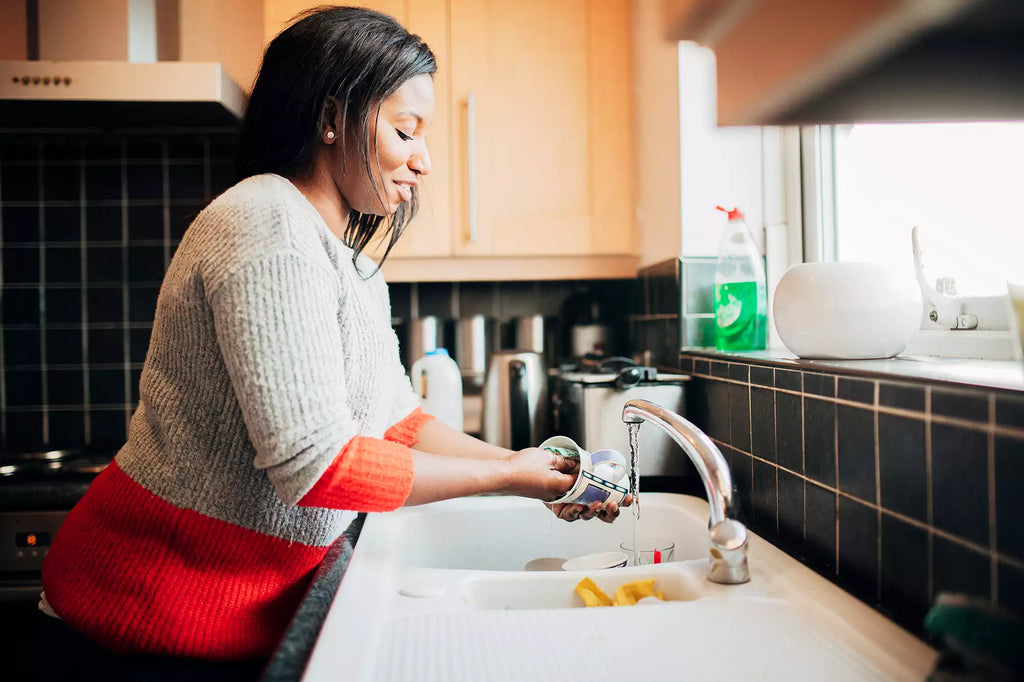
403	135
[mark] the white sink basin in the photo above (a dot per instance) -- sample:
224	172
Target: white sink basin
437	593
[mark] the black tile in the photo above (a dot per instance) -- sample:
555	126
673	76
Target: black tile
697	404
186	181
108	428
855	435
64	264
959	569
222	176
21	224
856	390
67	429
145	181
145	263
435	298
106	386
65	386
739	372
718	410
701	367
186	147
103	182
686	365
1009	464
20	183
62	183
764	500
223	146
103	224
972	406
791	512
182	216
24	388
63	346
63	223
21	265
960	482
142	303
134	379
901	466
762	423
904	585
820	384
739	416
145	223
1011	587
720	369
21	306
138	344
104	305
1010	411
902	396
103	264
102	149
762	376
477	298
16	149
741	468
788	380
144	148
820	542
65	148
820	440
63	306
24	432
858	549
789	431
106	346
22	347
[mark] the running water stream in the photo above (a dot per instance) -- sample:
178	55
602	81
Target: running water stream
634	484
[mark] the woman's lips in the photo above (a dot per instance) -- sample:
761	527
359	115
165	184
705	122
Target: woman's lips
404	191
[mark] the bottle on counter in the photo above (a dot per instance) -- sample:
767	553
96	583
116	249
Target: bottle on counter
438	381
741	299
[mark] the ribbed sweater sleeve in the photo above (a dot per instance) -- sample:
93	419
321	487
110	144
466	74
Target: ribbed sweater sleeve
276	323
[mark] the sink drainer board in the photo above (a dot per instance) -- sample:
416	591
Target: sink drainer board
708	639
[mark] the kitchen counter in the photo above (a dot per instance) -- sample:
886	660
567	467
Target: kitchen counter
289	661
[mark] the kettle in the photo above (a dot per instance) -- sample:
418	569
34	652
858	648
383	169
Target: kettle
515	400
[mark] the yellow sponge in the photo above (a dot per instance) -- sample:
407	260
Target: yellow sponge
626	595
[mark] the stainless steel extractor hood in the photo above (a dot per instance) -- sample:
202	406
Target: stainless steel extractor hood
95	65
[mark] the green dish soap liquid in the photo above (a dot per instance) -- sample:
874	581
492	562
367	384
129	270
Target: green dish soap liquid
741	300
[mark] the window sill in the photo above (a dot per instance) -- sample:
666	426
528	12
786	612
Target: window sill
999	374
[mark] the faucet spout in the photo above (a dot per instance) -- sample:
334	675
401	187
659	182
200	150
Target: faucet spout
728	537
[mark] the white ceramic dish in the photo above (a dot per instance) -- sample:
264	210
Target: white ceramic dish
596	562
846	311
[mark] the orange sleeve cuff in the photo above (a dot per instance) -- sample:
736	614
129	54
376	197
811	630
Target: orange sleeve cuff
407	431
368	475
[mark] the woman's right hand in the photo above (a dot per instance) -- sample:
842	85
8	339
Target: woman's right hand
540	474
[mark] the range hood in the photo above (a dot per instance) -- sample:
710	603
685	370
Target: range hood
96	65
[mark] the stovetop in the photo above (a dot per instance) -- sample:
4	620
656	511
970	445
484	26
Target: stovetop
56	479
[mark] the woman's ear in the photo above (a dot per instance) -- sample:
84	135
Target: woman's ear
332	121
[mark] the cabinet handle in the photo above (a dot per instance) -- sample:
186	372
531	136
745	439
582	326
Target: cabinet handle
471	161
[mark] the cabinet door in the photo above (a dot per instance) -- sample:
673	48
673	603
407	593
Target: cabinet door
429	234
541	142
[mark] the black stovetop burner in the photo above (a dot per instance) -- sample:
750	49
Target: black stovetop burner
54	479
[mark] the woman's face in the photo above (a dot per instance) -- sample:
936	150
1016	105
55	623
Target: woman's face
398	151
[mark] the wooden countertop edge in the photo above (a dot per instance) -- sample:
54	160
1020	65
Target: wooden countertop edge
491	268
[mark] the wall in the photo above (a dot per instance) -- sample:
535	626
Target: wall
895	491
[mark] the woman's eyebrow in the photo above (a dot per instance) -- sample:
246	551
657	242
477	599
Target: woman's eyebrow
412	114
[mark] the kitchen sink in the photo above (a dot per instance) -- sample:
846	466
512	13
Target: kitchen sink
439	593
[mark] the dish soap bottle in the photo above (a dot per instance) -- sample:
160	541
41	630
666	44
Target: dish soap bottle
438	381
741	299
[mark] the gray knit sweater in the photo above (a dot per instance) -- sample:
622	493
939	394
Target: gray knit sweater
269	353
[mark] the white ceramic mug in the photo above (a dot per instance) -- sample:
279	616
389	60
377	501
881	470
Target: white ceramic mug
590	485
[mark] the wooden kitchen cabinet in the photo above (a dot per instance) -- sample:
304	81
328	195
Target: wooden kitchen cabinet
532	141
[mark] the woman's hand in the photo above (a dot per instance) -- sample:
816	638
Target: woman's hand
540	474
568	511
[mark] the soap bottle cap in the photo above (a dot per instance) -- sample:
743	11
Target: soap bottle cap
438	351
734	214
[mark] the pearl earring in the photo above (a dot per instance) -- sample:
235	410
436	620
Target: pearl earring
330	134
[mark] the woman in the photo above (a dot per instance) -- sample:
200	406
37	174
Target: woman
273	406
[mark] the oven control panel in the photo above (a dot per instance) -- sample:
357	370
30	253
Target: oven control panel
25	538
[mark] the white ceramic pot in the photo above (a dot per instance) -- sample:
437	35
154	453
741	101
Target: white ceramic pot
849	311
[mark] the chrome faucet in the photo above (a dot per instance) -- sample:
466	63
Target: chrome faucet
728	561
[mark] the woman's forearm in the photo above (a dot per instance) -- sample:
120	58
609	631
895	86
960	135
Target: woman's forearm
439	477
441	439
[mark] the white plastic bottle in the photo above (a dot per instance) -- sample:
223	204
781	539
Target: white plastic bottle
438	381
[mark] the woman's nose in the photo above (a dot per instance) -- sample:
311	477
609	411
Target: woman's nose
420	161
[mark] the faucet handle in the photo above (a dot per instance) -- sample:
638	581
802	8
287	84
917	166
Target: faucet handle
728	563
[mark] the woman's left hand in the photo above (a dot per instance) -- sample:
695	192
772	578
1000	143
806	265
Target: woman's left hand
568	511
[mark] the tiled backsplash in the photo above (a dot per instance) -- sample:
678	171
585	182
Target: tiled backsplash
677	310
895	491
88	223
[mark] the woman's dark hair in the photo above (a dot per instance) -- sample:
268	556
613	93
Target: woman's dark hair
356	56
